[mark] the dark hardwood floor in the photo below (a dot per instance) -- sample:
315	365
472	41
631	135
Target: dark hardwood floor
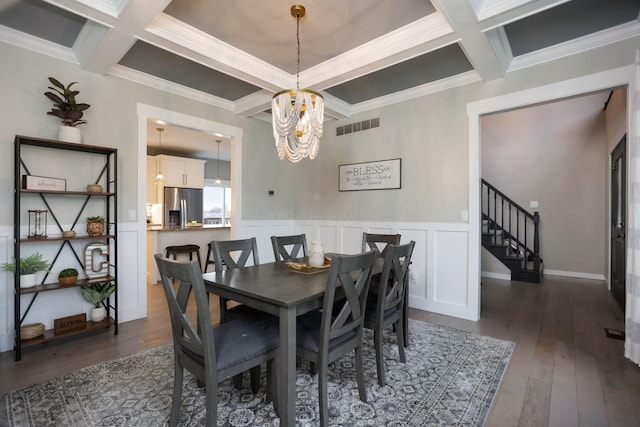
564	370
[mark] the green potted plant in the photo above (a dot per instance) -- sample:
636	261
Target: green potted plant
68	276
67	109
96	294
29	266
95	225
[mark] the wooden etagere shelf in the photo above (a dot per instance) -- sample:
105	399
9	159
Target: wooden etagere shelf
60	238
101	170
54	286
49	335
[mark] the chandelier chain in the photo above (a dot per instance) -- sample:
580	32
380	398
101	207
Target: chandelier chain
298	39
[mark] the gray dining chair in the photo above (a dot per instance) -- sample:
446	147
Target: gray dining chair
378	242
386	302
227	255
286	248
230	254
210	354
323	337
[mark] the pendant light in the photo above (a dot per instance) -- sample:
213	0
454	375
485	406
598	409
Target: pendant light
218	174
159	176
297	113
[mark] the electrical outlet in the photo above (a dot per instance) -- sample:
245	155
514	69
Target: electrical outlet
533	204
132	214
271	193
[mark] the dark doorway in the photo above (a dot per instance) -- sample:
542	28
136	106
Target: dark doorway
618	221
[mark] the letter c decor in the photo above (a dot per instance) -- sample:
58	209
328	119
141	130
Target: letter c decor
96	260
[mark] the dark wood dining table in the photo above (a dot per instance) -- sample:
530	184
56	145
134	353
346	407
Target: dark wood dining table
274	289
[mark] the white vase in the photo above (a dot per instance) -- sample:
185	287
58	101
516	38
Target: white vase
28	280
98	314
69	134
316	254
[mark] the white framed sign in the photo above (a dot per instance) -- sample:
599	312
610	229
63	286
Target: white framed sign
43	183
379	175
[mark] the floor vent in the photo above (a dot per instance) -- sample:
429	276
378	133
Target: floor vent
616	334
358	126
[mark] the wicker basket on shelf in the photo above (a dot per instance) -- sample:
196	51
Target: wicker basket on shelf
31	330
94	188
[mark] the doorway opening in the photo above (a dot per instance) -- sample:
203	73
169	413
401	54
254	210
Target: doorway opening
620	77
234	134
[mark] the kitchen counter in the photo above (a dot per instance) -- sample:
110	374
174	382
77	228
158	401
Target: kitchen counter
188	228
159	237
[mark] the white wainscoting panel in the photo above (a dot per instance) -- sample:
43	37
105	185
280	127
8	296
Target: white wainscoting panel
352	240
132	296
6	290
450	271
329	235
439	280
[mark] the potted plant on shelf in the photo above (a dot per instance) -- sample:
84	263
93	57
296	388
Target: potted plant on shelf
29	266
68	276
67	109
95	225
96	294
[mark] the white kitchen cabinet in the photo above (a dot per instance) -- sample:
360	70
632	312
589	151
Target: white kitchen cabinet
181	171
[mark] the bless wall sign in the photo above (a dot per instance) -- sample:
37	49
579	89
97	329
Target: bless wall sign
380	175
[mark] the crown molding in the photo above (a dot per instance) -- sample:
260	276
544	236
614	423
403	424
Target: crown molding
501	47
254	103
579	45
167	86
113	8
497	13
418	91
36	44
88	41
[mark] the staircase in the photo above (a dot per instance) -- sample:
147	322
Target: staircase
511	234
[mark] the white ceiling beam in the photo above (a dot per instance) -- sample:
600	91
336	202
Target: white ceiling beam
110	30
484	54
175	36
496	13
414	39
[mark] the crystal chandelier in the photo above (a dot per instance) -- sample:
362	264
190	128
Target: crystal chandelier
297	113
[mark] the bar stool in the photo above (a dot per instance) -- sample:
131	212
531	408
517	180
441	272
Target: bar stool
184	249
209	260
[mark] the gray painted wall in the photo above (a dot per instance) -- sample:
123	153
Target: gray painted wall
430	134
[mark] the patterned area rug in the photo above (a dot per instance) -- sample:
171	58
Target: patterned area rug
450	379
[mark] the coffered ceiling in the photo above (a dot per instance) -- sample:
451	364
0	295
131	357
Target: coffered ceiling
359	54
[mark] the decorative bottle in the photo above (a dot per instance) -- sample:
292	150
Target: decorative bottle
316	254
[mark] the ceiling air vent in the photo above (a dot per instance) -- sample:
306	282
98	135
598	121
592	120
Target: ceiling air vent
358	126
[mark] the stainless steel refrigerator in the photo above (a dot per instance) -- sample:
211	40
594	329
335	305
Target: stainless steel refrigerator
182	206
